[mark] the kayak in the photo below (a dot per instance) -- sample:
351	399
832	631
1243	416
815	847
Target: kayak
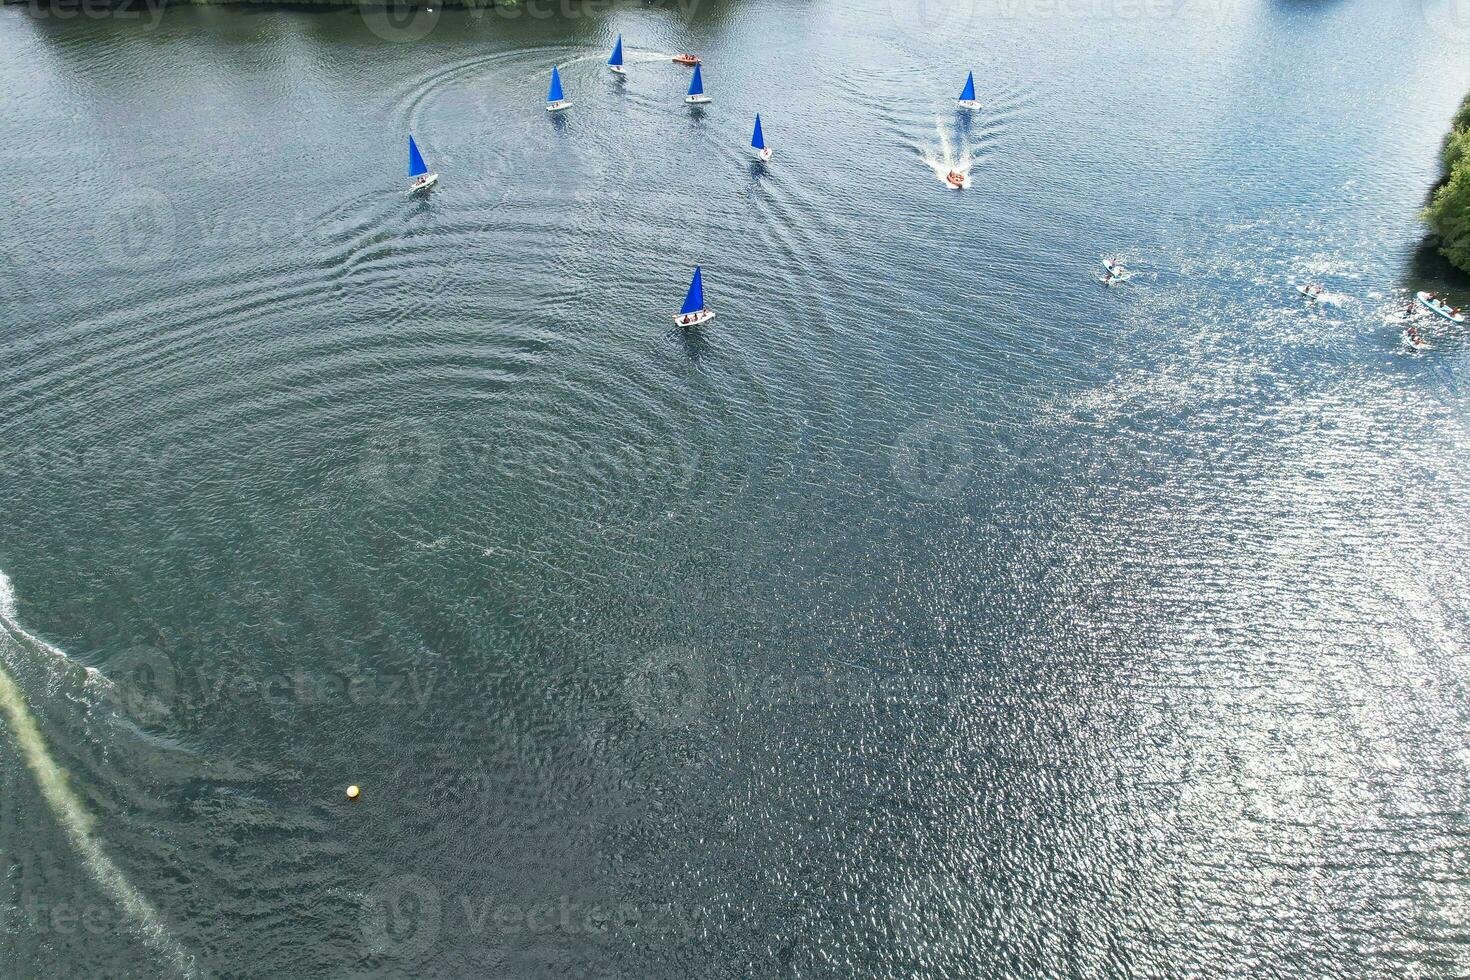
1432	302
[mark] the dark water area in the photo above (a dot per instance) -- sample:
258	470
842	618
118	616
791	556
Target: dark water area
933	611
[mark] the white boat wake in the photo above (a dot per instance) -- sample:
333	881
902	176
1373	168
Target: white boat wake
91	676
55	787
945	157
629	57
648	57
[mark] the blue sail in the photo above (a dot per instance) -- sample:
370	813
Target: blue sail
968	95
694	302
416	165
758	139
696	84
554	94
617	55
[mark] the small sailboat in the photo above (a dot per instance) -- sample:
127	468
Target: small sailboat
1432	302
615	63
693	312
556	99
758	140
419	170
967	95
696	94
685	59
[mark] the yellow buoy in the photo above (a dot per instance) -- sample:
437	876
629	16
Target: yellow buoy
352	792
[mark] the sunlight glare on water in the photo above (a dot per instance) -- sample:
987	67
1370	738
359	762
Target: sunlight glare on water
933	611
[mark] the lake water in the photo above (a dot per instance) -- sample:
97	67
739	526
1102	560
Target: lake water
934	611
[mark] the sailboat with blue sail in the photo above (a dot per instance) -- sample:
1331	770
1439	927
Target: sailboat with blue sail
693	312
556	99
758	140
696	94
967	95
418	169
615	63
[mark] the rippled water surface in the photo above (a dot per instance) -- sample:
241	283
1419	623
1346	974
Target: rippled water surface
934	611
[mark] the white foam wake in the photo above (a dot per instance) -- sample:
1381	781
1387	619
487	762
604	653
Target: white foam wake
91	676
69	809
946	156
629	57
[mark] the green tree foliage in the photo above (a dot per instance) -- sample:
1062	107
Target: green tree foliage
1448	214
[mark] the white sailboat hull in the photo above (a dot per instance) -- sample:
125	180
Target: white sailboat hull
694	319
966	104
697	99
424	183
617	69
559	105
765	155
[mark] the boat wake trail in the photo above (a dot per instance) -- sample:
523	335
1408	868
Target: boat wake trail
91	676
945	155
630	57
68	808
